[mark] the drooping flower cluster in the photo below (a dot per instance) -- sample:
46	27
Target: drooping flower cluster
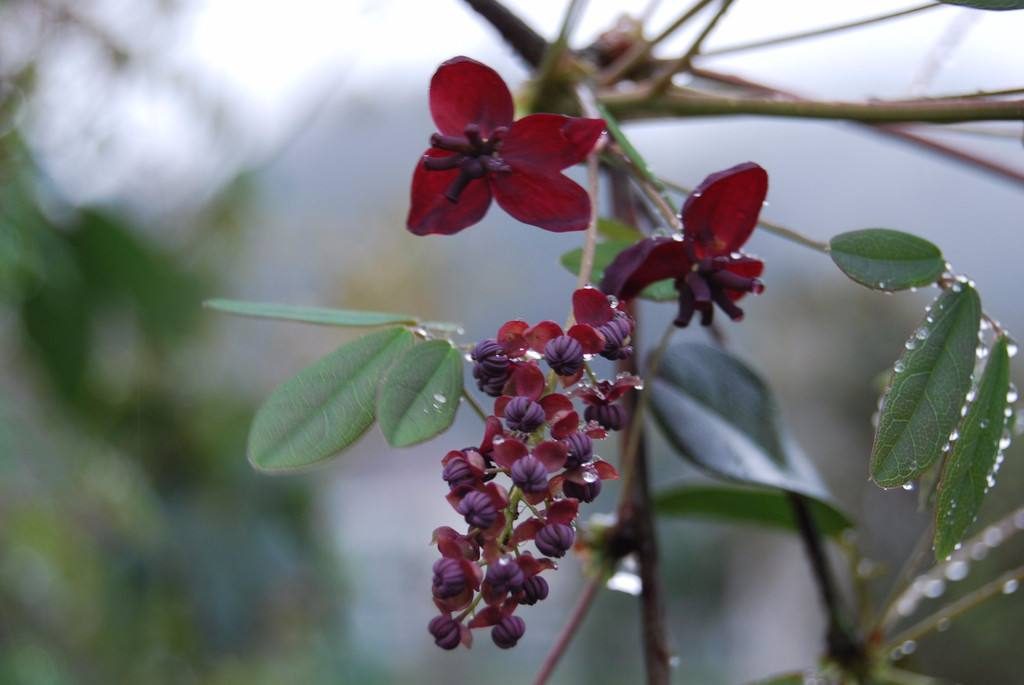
705	261
535	439
480	153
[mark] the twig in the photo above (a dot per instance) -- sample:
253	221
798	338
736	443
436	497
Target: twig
978	94
961	606
642	50
553	54
529	44
902	580
769	42
663	80
579	612
769	226
843	645
471	401
590	243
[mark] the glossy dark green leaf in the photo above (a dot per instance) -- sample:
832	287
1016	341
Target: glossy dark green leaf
327	406
883	259
420	394
613	229
997	5
317	315
604	253
973	455
720	415
922	405
745	505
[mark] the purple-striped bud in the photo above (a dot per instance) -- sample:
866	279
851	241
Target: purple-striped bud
584	492
491	366
508	631
478	510
610	416
504	575
617	334
555	539
581	449
449	578
524	415
564	355
458	472
535	589
445	631
529	474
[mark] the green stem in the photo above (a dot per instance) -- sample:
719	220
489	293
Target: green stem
553	53
903	580
471	401
769	226
664	79
961	606
644	104
814	33
511	514
468	610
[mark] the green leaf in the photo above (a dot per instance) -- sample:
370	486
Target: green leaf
973	456
317	315
883	259
745	505
922	405
613	229
420	395
327	406
721	416
997	5
604	253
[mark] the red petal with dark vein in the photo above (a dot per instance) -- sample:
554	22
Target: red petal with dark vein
464	91
431	213
553	202
721	212
548	143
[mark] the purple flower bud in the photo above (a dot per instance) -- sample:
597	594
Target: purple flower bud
581	449
610	416
445	631
478	510
529	474
555	539
584	492
504	575
524	415
449	578
508	631
564	355
491	366
617	333
458	472
535	589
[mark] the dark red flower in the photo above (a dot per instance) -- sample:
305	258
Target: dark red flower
704	261
481	152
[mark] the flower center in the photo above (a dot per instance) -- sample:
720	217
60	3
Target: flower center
474	157
708	283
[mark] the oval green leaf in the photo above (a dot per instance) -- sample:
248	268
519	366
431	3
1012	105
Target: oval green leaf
720	415
995	5
318	315
420	395
326	407
760	507
613	229
882	259
921	406
973	456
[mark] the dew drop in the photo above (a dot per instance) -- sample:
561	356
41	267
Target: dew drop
590	477
899	367
954	436
1010	586
908	647
942	625
993	536
957	570
979	551
906	606
1018	519
1011	349
981	352
1012	394
934	588
910	344
922	333
908	486
439	398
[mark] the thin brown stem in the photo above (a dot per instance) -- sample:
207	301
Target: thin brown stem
642	49
471	401
529	44
590	242
1002	584
576	616
664	79
554	52
814	33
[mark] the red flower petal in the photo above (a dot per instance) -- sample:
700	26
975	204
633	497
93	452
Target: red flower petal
528	381
748	267
509	452
649	261
550	201
486	617
492	429
525	531
500	403
539	335
589	339
531	565
430	212
591	306
511	338
464	91
548	143
552	454
555	406
604	470
721	212
565	426
562	511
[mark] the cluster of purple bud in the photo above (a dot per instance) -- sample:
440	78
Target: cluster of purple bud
491	367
